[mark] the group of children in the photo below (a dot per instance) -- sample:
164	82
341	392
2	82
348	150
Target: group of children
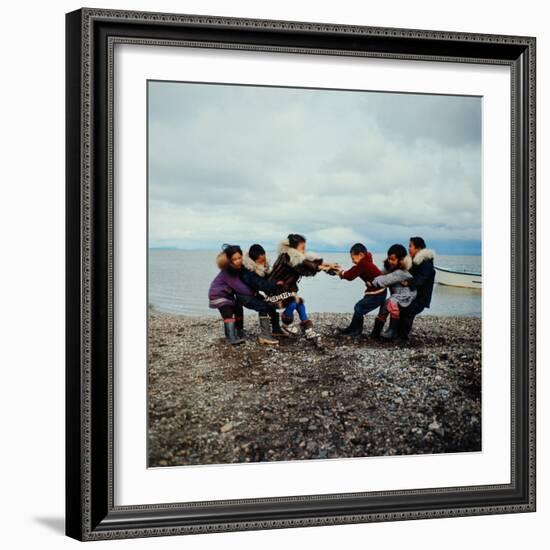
249	281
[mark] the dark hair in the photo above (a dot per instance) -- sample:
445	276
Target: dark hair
294	240
358	248
255	251
398	249
418	242
231	249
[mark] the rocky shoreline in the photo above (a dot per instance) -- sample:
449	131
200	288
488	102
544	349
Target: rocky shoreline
211	403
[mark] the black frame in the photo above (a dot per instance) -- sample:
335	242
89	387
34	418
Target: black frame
90	38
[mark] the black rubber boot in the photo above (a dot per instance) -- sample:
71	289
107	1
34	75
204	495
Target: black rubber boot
355	328
276	329
377	329
239	327
392	332
231	333
265	336
405	326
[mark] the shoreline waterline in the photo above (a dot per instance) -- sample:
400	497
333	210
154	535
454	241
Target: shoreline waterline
179	281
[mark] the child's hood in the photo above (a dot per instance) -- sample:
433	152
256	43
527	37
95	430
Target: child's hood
422	256
367	258
406	263
296	257
261	269
221	260
224	264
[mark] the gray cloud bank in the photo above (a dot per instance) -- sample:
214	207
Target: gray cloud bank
247	164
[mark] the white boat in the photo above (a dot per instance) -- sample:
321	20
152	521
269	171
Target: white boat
451	277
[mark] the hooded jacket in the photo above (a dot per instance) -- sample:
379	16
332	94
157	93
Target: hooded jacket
366	269
423	272
290	266
226	284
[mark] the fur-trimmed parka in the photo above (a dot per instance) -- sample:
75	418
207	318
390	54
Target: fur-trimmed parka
423	272
290	266
226	284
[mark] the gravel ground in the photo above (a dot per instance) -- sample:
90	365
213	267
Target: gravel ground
211	403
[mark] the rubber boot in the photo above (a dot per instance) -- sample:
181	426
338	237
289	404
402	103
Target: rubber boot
231	333
265	336
377	329
276	329
405	326
355	328
239	327
392	332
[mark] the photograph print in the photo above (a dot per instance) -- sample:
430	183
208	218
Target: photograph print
314	273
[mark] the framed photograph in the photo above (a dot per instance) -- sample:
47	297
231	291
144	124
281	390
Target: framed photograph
300	274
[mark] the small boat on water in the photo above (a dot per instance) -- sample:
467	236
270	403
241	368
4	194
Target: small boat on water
451	277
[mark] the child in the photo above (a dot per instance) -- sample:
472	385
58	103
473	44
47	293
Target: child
366	269
228	293
255	275
396	277
291	265
423	273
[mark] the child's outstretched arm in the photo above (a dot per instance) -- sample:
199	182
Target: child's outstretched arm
308	267
355	271
350	274
391	278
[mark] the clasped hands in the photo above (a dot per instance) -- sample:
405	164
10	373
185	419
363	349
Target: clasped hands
331	269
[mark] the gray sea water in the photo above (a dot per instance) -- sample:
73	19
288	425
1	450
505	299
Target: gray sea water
179	281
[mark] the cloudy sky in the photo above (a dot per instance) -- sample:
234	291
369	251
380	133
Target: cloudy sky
245	164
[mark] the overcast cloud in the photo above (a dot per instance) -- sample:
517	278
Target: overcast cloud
245	164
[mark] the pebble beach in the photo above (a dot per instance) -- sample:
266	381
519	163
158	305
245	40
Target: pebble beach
212	403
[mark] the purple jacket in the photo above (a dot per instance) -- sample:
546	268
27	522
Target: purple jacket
224	287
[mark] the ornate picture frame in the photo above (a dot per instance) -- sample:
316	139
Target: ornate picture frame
91	35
